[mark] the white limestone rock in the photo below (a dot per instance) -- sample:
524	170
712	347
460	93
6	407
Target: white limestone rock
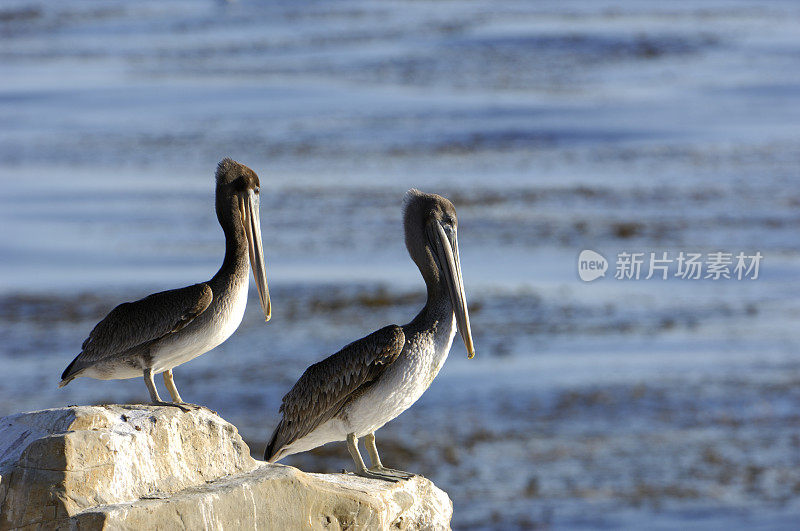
133	467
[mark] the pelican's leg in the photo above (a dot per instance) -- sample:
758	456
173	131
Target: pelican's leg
173	391
377	466
151	386
361	468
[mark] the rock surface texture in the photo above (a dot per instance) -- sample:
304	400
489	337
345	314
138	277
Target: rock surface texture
135	467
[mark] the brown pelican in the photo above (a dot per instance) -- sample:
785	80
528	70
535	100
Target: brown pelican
371	381
163	330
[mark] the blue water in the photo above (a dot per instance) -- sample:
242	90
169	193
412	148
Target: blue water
553	126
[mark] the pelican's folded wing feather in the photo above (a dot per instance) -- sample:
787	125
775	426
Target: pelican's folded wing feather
327	386
132	324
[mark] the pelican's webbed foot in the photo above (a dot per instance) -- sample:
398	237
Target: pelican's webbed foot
196	407
156	400
402	474
361	468
367	473
377	467
182	406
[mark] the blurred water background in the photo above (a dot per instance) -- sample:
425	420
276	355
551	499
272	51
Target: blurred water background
553	126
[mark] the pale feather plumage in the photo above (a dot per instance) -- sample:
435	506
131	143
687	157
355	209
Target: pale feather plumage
356	391
161	331
326	387
133	325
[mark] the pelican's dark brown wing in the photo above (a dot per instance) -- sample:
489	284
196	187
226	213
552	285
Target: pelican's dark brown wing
327	386
132	324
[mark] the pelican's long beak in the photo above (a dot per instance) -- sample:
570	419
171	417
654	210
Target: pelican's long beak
445	245
252	229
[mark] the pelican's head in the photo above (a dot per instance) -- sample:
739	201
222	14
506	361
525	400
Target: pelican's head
431	228
238	191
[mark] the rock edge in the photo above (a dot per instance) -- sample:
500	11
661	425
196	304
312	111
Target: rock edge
133	467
